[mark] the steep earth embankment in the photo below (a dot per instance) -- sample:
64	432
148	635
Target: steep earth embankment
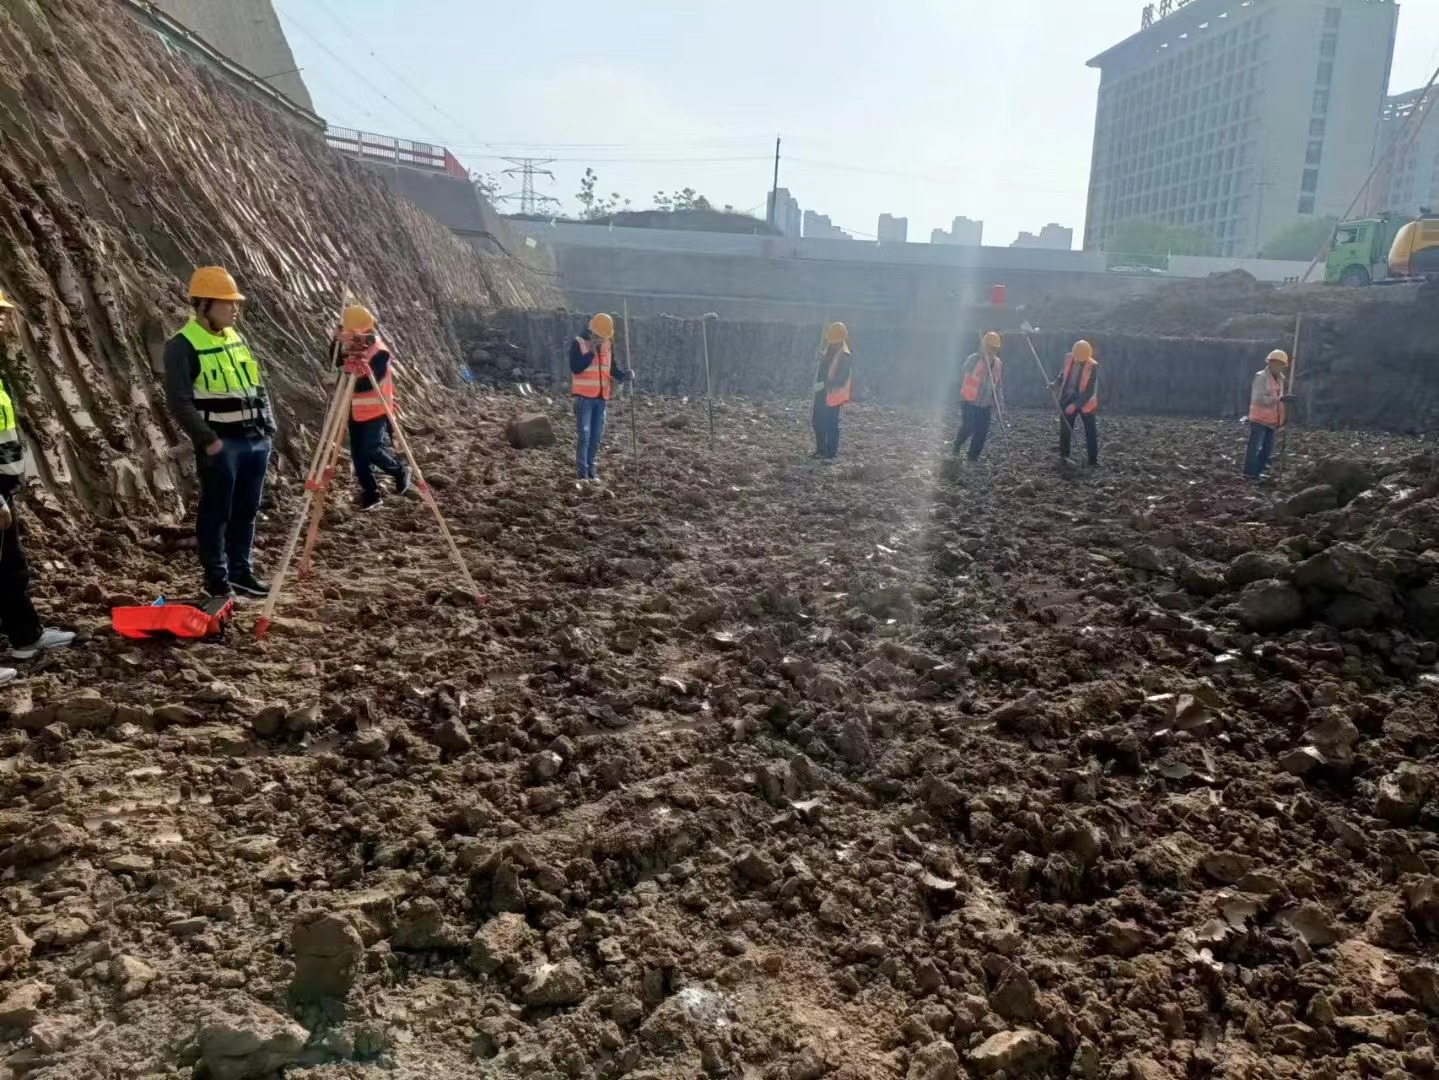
122	166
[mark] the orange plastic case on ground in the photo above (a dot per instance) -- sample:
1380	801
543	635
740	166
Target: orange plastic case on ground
201	619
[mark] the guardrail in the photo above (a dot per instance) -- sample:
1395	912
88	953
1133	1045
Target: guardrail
373	147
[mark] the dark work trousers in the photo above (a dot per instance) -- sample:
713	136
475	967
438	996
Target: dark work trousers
826	428
18	620
231	483
973	426
1261	449
370	450
1091	435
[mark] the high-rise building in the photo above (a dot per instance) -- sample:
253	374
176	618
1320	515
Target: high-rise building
892	230
1238	117
964	232
1052	237
819	227
787	218
1408	177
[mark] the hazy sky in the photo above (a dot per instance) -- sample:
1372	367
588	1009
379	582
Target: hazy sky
923	108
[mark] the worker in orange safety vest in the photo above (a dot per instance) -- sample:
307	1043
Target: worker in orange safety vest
981	387
593	373
833	387
1078	391
357	345
1268	412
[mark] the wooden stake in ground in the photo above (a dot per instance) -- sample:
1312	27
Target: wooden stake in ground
1290	380
709	381
634	423
321	473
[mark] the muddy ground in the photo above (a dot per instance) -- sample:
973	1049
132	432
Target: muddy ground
753	766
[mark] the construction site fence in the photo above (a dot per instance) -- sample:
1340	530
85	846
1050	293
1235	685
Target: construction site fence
909	366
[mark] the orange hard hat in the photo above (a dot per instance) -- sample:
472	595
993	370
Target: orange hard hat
992	340
603	325
1083	350
356	317
213	283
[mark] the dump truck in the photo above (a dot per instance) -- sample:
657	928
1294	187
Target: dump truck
1359	249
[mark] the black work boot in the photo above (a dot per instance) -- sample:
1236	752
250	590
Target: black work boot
245	583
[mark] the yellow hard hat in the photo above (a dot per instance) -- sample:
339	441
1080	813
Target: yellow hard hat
1278	355
5	300
836	333
992	340
1083	350
603	325
213	283
356	318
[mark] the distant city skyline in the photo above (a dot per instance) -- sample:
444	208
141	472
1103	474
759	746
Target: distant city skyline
908	131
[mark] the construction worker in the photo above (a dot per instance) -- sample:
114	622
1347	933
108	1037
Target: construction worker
215	393
18	620
981	388
357	344
833	385
593	372
1078	392
1267	412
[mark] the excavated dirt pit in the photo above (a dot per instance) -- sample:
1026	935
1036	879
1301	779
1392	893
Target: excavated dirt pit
754	766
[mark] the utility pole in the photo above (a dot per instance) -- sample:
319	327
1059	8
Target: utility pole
527	169
774	190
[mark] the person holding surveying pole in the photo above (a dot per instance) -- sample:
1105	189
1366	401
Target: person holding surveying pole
1268	409
1078	392
981	389
833	386
593	372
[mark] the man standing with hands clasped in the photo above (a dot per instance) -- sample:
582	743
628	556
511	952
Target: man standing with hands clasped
215	393
593	373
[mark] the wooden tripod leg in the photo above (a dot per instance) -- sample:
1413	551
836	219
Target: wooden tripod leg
344	390
321	484
429	497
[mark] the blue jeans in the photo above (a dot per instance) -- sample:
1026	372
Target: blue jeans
370	450
1261	449
231	483
589	430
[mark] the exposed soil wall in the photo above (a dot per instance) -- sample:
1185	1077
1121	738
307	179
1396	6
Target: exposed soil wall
122	167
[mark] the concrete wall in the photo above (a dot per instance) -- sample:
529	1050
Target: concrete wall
249	33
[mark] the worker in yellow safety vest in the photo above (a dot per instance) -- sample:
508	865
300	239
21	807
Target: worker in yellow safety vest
216	394
1268	412
981	386
357	346
833	388
18	619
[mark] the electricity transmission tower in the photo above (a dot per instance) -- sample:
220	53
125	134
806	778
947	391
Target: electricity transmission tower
527	169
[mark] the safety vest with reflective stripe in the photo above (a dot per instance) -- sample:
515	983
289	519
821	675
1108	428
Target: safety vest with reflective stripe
1079	394
1265	400
977	383
370	404
227	389
12	450
836	396
594	381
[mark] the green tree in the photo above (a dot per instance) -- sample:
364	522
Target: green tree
594	207
1140	237
486	185
1301	239
686	199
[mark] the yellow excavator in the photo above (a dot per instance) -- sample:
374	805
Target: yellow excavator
1415	251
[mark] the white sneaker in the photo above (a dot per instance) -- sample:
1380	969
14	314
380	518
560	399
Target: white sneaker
49	639
8	674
